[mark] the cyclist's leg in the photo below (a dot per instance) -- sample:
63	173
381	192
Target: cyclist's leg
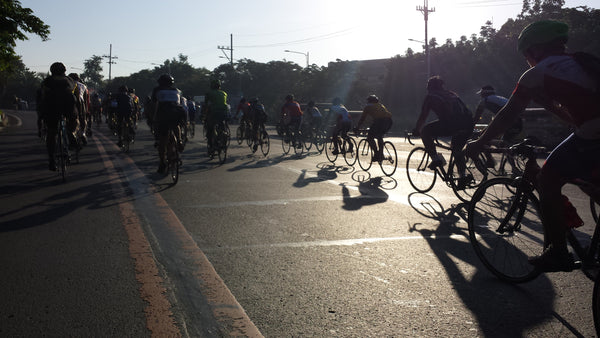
429	132
51	127
457	144
573	158
163	138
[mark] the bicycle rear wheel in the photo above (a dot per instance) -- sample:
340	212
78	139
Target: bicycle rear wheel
505	229
329	148
61	154
389	162
364	155
478	176
173	158
307	138
419	175
320	141
239	134
286	142
350	149
265	143
222	144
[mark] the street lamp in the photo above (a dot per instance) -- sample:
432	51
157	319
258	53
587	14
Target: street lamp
426	55
305	54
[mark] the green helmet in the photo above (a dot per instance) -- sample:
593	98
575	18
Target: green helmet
541	32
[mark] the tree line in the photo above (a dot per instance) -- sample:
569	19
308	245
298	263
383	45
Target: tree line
488	57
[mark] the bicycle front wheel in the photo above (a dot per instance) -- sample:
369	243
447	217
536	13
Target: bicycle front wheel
389	163
364	155
505	229
419	175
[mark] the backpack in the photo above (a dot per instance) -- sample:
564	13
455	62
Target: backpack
591	65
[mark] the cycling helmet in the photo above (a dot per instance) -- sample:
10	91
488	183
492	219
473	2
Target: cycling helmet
166	80
215	84
58	68
254	100
123	89
435	82
542	32
131	90
372	99
74	76
289	97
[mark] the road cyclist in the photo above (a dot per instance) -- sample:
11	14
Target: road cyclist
168	114
291	116
216	111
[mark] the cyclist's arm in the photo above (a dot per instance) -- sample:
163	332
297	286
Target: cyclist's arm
425	108
503	120
479	111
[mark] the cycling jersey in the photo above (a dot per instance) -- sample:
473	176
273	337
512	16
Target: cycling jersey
376	111
216	104
341	113
446	105
492	103
560	79
292	109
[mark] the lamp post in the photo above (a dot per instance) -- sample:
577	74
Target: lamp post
426	56
305	54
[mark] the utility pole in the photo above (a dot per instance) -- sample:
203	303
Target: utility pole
110	62
426	10
230	49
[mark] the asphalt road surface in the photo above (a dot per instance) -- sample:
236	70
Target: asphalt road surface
279	246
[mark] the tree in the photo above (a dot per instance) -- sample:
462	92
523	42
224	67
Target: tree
15	21
92	72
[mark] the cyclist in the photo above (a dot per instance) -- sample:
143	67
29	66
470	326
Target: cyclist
167	115
82	104
125	112
314	116
493	103
96	107
137	107
343	123
57	100
382	122
454	119
560	83
192	112
216	110
244	107
259	117
291	113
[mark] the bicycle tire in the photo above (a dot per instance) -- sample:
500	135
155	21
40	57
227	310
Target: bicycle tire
329	148
497	202
420	177
60	154
298	144
479	176
286	141
389	163
307	139
596	305
173	157
222	143
320	141
350	151
365	160
239	135
265	143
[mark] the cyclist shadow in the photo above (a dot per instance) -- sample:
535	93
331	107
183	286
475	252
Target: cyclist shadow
371	193
501	309
325	173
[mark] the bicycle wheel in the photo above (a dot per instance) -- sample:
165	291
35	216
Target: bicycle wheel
173	158
364	155
125	137
505	229
265	143
307	138
222	143
61	154
320	141
476	170
329	148
390	159
286	142
350	150
298	144
419	175
596	305
239	134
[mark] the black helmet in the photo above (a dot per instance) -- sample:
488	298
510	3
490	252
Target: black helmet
435	82
215	84
74	76
123	89
166	80
289	97
372	99
542	32
58	68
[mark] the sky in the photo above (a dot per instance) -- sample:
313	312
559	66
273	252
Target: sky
145	33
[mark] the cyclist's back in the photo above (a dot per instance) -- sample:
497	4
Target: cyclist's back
215	105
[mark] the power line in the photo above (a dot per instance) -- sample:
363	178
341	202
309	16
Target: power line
305	40
110	62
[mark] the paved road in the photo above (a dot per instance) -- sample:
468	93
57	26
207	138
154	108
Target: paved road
281	245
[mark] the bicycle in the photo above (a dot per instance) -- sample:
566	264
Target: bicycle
220	141
173	159
260	139
127	136
347	147
504	224
422	178
291	139
389	161
61	152
243	131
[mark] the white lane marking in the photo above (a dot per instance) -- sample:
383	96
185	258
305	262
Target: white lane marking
340	242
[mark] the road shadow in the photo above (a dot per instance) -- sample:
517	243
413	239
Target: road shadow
371	193
501	309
